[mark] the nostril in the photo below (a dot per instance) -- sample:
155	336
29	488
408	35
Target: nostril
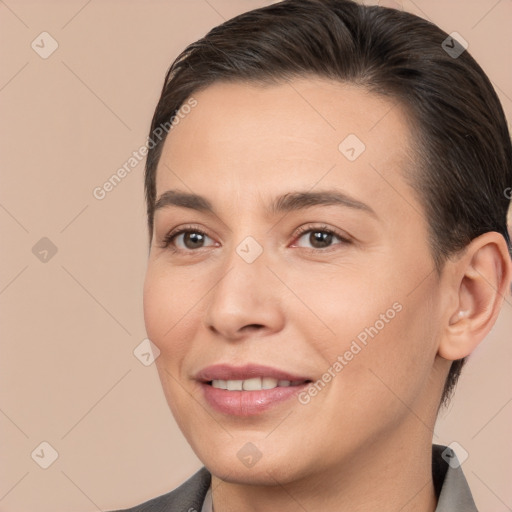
253	327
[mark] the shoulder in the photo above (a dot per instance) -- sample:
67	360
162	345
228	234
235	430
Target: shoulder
188	497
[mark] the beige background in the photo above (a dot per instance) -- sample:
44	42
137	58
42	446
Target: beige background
70	325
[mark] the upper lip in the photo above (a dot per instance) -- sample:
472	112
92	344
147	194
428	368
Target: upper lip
248	371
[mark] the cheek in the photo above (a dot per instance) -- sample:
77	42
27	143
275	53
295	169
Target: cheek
383	336
393	368
170	308
353	304
170	321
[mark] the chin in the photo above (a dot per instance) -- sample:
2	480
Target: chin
269	470
267	474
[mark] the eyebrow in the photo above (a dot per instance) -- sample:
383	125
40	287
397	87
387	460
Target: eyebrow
291	201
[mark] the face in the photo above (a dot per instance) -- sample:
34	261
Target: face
305	259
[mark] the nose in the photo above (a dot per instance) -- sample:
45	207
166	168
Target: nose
244	301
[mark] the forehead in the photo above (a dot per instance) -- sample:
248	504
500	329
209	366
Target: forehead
242	137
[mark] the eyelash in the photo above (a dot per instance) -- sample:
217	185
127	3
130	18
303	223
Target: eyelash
168	239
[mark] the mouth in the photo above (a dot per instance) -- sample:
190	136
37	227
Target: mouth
248	390
249	377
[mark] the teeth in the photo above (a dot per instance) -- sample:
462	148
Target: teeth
253	384
234	385
268	383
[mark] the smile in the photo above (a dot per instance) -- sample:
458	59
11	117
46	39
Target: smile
248	390
253	384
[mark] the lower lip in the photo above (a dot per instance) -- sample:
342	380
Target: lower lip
248	403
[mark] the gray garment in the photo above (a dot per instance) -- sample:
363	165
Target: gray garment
450	485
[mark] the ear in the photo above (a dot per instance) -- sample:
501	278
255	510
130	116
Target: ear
479	283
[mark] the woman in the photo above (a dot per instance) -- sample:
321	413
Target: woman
328	243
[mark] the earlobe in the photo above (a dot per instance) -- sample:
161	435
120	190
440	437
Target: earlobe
481	281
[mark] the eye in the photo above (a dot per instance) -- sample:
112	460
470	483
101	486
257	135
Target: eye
191	238
188	238
319	238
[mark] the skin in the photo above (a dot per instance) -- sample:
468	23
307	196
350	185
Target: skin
299	306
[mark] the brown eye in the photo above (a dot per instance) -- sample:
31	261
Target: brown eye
319	238
186	239
193	239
